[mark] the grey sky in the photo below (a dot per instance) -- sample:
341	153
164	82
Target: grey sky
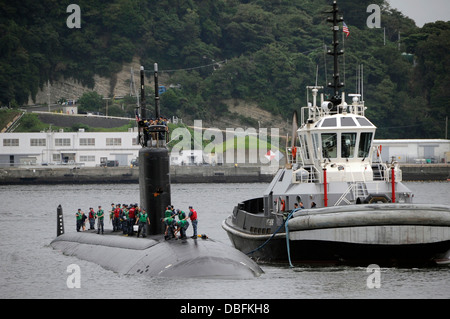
423	11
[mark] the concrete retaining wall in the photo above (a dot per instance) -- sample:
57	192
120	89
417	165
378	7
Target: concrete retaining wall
85	175
180	174
425	172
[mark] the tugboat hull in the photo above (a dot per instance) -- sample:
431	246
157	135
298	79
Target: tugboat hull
388	235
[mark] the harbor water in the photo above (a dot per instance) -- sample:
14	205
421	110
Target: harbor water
30	268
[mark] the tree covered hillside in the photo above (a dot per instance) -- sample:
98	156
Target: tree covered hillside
263	51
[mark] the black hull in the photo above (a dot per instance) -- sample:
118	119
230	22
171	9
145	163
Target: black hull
314	252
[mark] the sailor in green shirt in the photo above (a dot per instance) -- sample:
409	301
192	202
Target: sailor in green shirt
169	222
168	212
111	212
100	218
143	221
79	216
181	214
182	226
124	219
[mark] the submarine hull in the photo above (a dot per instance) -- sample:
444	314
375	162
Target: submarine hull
154	257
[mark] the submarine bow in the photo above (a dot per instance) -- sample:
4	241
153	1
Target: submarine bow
191	258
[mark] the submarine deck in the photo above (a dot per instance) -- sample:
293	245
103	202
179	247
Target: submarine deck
155	256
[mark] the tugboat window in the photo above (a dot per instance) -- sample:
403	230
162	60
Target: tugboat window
315	138
329	145
348	143
363	122
304	144
364	144
347	121
329	122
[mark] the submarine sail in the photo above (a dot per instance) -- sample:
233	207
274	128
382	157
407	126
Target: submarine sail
154	162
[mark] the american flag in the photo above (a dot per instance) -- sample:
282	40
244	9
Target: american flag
345	30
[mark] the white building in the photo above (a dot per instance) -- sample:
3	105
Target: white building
419	151
91	149
56	148
82	148
189	157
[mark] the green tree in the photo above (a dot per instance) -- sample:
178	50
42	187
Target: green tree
91	101
249	29
272	50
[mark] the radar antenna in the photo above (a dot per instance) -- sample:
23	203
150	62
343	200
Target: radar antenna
337	84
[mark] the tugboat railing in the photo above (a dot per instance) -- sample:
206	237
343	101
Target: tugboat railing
306	174
311	114
358	189
344	195
290	157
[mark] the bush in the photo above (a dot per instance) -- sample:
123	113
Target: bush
91	102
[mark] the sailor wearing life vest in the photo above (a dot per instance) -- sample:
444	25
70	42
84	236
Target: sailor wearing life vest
100	217
181	214
194	220
92	216
116	218
79	216
169	223
143	221
124	219
168	212
182	226
111	214
131	219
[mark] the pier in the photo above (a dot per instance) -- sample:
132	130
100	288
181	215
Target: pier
180	174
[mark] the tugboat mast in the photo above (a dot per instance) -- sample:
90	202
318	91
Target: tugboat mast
336	85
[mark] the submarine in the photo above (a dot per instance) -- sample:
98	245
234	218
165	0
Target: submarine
154	255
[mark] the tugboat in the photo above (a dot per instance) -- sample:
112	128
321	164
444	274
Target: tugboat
353	210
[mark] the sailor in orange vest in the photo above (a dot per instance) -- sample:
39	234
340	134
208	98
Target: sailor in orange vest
116	218
194	220
131	219
92	217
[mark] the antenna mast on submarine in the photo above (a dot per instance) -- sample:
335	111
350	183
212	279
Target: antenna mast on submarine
143	110
157	110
